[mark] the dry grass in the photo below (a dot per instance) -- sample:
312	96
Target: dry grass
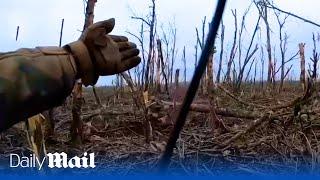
281	144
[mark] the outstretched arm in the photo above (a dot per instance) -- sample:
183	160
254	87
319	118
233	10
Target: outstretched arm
33	80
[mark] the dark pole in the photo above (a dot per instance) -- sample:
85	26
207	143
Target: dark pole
193	87
17	33
62	22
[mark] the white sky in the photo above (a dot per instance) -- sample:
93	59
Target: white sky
40	21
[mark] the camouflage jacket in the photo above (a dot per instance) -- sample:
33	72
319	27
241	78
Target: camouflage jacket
33	80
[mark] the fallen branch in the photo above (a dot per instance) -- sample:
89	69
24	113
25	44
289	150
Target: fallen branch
105	112
237	99
265	118
220	111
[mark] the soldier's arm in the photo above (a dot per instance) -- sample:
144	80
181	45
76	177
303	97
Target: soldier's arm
33	80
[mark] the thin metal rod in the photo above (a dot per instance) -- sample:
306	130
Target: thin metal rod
17	33
193	87
61	31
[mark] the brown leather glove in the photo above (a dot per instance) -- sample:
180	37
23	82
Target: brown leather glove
97	53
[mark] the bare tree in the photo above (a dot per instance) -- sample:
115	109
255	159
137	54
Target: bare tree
210	71
302	66
233	49
150	21
163	65
263	12
249	70
249	55
261	58
221	52
166	41
200	39
283	49
242	28
184	65
140	38
173	31
196	55
158	78
176	78
139	101
255	73
315	59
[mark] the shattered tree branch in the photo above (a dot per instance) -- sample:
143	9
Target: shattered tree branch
269	5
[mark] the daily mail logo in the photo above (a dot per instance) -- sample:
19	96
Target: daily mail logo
54	160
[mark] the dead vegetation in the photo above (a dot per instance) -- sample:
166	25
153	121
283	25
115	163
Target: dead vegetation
265	131
238	125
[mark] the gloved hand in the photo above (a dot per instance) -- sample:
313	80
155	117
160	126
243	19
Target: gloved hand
98	53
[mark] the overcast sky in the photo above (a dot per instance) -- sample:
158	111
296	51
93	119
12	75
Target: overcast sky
40	21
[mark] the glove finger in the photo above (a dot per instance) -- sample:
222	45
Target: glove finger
129	63
107	25
129	53
126	45
118	38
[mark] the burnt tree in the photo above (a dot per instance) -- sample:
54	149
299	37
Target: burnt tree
184	65
302	66
221	52
283	37
233	49
263	12
315	59
151	23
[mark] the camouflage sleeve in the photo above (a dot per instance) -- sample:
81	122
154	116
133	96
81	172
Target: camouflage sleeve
33	80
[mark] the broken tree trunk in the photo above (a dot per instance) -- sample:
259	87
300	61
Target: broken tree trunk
158	81
76	125
163	68
204	108
215	122
210	71
201	42
263	12
233	49
314	59
302	66
221	52
176	78
152	27
184	65
98	101
173	51
139	100
268	49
